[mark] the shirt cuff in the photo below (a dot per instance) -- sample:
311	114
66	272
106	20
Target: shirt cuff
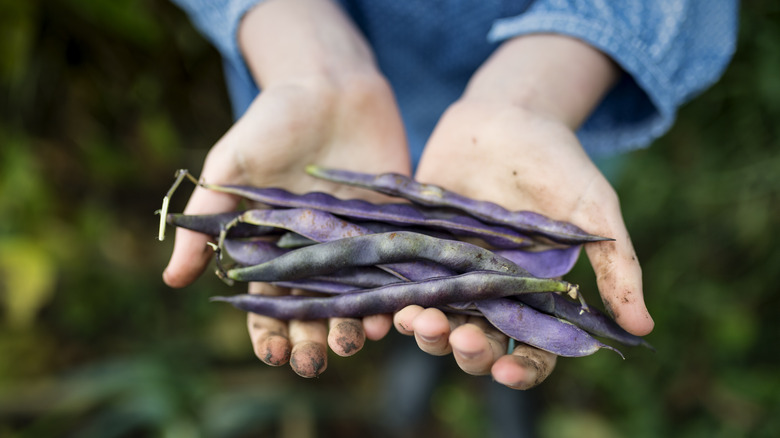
219	21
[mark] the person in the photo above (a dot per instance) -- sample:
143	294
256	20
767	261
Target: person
509	102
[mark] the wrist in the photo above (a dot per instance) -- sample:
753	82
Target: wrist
553	76
303	41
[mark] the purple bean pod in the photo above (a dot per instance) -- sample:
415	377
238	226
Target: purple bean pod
322	226
549	263
471	286
319	286
312	224
431	195
399	214
363	277
539	330
253	252
290	240
593	321
212	224
376	249
248	252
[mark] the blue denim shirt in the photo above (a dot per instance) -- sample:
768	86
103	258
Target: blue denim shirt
669	51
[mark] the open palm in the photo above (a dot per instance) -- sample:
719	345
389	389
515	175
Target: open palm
286	128
524	161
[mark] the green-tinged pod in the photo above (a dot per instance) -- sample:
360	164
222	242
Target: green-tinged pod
377	249
476	285
321	226
292	240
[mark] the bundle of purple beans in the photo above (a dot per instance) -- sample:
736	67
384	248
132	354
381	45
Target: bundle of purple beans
438	249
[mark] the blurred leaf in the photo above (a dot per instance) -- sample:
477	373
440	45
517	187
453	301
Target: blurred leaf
28	273
129	19
460	410
23	193
17	25
159	136
560	424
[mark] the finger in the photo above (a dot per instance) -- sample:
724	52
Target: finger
377	326
432	330
190	254
476	346
309	352
346	336
525	368
402	320
618	274
309	356
269	335
619	279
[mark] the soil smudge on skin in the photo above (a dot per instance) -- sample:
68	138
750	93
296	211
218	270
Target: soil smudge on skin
535	360
610	311
351	337
308	360
274	350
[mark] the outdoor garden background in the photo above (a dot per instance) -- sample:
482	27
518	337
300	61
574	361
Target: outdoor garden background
101	101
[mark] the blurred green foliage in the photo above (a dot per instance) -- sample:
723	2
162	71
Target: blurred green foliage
100	103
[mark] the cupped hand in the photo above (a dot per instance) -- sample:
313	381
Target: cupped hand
524	160
290	125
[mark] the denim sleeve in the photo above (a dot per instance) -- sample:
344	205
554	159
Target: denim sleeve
670	50
218	21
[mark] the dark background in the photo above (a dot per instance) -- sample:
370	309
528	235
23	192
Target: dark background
100	102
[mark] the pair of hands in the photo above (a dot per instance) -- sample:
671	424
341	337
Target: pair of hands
498	143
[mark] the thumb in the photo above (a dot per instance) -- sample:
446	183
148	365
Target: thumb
191	254
617	269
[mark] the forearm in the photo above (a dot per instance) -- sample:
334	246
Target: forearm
302	40
552	75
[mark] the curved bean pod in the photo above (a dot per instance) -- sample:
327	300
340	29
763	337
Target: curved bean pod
316	225
593	321
292	240
400	214
431	195
549	263
534	328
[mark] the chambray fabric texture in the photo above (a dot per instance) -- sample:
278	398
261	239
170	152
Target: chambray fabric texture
669	51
